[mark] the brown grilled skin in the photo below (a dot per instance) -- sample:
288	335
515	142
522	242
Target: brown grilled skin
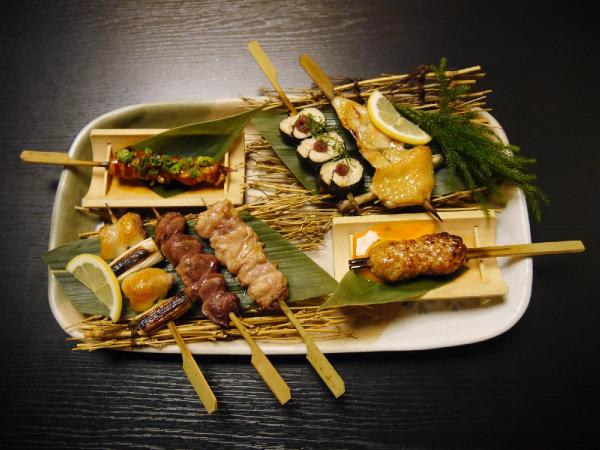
432	254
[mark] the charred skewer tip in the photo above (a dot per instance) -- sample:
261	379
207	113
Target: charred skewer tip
359	263
431	210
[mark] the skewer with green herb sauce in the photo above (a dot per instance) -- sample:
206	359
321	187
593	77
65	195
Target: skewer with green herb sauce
150	166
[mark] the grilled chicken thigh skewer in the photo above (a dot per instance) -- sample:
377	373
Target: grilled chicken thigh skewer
239	248
443	254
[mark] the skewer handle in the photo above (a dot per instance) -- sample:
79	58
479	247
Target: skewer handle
316	357
193	372
56	159
317	75
270	71
263	366
539	248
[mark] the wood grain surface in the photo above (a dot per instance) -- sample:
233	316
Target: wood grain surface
65	63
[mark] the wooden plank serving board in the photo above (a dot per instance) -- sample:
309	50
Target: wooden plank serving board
482	277
125	193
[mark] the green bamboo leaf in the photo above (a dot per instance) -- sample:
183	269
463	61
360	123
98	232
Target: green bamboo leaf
57	258
211	138
305	278
267	123
355	289
80	296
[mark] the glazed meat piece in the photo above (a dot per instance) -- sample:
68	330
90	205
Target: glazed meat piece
238	247
167	225
432	254
268	285
144	287
193	266
217	302
408	181
217	307
208	284
162	169
179	245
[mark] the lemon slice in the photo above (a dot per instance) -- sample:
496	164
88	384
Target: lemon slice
387	120
99	278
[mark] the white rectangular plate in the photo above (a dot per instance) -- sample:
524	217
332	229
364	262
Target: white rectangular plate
421	325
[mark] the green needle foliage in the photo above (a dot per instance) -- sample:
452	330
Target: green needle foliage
472	151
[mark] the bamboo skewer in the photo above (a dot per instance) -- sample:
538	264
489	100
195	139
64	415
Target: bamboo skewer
270	71
190	367
314	355
259	360
193	372
534	249
263	365
495	251
317	75
57	159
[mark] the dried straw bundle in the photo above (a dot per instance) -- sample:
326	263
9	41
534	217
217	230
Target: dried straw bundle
417	90
101	333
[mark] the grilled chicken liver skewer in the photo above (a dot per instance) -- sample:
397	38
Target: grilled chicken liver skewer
443	254
198	270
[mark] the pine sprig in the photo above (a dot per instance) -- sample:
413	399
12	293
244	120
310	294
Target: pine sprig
471	151
449	93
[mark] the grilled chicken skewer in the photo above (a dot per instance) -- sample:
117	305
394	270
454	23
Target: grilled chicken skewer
443	254
143	165
315	356
402	177
238	247
167	311
198	272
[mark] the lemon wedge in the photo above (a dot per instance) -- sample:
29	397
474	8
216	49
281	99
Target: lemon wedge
98	277
387	120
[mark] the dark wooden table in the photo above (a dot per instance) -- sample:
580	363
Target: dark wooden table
65	63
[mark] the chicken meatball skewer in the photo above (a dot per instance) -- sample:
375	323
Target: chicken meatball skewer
443	254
